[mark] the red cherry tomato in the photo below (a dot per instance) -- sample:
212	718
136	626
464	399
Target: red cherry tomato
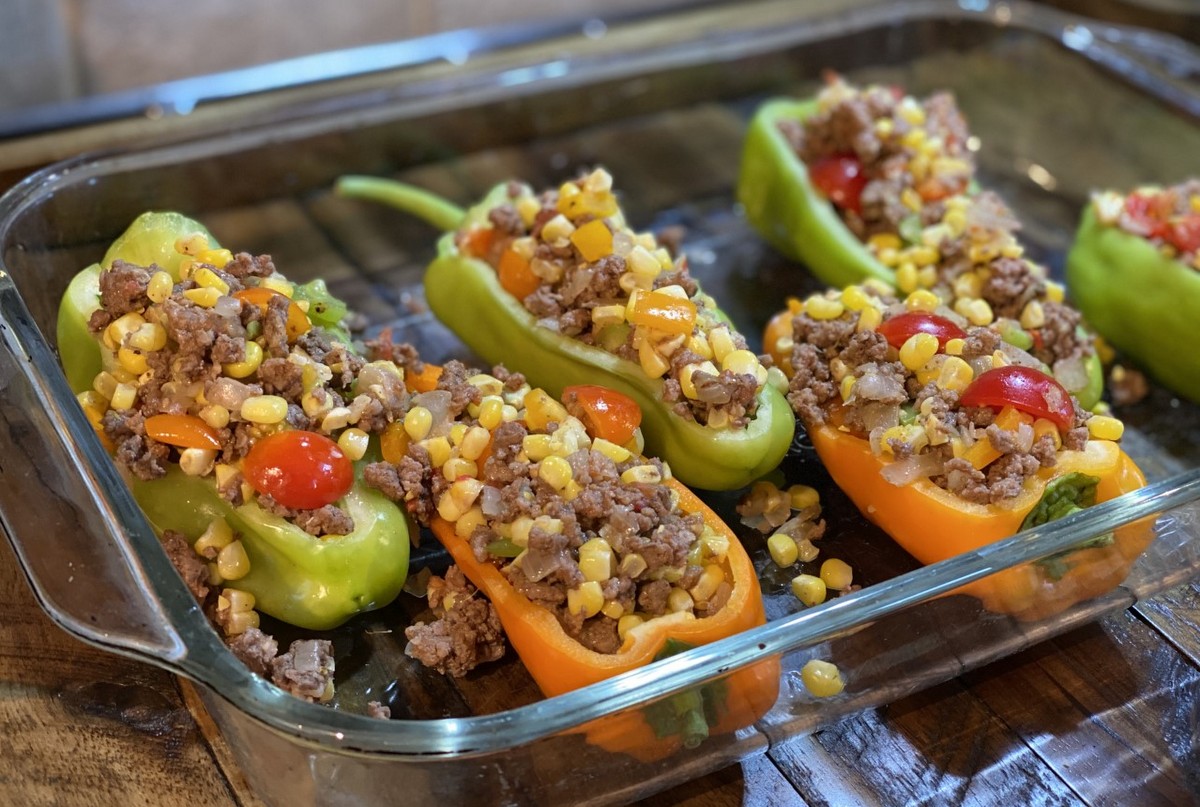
301	470
607	414
841	178
899	328
1184	233
1023	388
1147	212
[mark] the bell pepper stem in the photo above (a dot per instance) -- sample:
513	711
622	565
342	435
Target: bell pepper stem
435	210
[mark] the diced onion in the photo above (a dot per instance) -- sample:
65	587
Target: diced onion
909	470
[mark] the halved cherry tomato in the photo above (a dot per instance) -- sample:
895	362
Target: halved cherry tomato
899	328
1023	388
1184	233
297	321
299	469
182	431
841	178
607	414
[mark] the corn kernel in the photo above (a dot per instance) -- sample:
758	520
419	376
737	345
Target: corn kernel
822	679
654	365
922	300
439	450
541	410
917	350
1103	427
124	325
626	624
557	229
613	610
353	443
855	299
265	409
555	472
277	283
475	442
869	319
910	198
955	374
803	497
491	412
1054	291
679	600
927	277
596	560
1033	315
721	342
884	241
906	277
132	361
822	308
642	474
457	467
611	450
149	337
239	623
846	387
247	366
633	565
710	581
923	255
588	599
417	422
205	297
977	311
232	562
954	347
197	461
809	589
837	574
123	397
216	536
486	384
783	549
208	279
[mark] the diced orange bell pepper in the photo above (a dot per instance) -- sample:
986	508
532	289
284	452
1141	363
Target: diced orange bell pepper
423	381
664	312
182	431
608	414
298	323
593	240
516	276
477	241
560	664
933	524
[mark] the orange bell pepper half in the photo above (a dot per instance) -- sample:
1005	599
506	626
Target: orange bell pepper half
560	664
933	524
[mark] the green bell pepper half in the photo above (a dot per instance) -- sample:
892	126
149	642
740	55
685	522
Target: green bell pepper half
465	293
313	583
1144	303
784	207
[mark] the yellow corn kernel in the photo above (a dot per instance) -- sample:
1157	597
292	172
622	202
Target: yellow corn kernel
149	337
475	442
197	461
999	359
679	600
132	361
555	472
698	344
417	422
439	450
855	299
906	277
491	412
888	256
208	279
1054	291
192	244
626	624
611	450
468	521
265	409
923	255
215	257
1012	250
822	679
1042	426
927	277
1033	315
653	363
837	574
922	300
1103	427
216	536
486	384
537	446
954	347
224	474
604	315
846	387
783	549
232	562
557	230
632	565
686	382
715	544
276	283
123	397
249	365
456	468
803	497
593	240
448	508
596	560
710	580
910	198
955	374
822	308
977	311
613	610
884	241
642	475
541	410
528	207
353	443
721	342
457	432
239	623
869	319
124	325
105	383
917	350
588	599
809	589
205	297
955	221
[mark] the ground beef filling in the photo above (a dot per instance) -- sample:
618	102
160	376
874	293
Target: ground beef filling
465	631
884	390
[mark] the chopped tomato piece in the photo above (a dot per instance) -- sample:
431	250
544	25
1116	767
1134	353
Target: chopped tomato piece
607	414
841	178
1184	233
1023	388
899	328
299	469
182	431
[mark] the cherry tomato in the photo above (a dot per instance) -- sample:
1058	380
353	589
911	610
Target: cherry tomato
607	414
1022	388
1146	210
1184	233
899	328
841	178
301	470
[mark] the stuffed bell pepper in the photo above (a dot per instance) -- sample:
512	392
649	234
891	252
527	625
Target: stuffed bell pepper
950	438
240	419
592	559
1134	272
872	183
558	286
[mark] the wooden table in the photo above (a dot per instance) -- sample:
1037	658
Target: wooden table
1107	714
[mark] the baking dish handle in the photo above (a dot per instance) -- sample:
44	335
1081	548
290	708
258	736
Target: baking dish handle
74	543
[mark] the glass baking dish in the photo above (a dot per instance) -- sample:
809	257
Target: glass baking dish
1061	105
